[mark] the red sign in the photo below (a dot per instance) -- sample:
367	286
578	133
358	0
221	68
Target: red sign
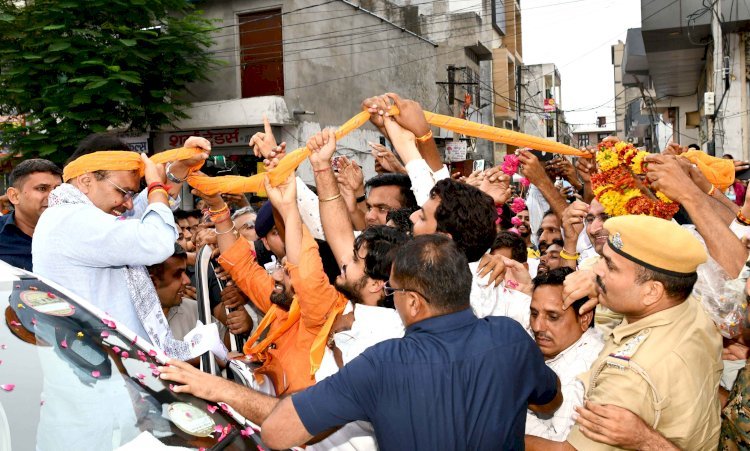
549	105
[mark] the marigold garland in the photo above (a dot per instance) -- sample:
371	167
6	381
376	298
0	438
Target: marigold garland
615	186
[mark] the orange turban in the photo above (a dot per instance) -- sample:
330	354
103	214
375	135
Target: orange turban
718	171
124	160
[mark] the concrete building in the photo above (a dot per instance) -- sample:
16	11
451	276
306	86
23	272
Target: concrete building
591	135
690	60
305	65
630	124
541	103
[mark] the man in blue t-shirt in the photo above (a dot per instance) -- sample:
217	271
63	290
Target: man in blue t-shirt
453	382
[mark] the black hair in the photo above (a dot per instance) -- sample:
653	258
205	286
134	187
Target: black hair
435	267
544	245
515	243
98	142
506	215
556	277
676	287
694	146
401	219
547	213
157	270
381	242
467	214
184	214
31	166
400	180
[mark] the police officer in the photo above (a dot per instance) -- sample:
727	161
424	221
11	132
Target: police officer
663	362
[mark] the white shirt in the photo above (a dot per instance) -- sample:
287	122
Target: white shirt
85	250
489	300
371	326
575	360
423	178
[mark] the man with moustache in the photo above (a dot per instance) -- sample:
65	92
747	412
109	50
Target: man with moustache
569	343
663	363
525	230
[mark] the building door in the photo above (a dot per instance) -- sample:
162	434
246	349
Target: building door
261	54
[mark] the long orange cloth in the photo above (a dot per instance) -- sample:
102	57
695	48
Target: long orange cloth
233	184
123	160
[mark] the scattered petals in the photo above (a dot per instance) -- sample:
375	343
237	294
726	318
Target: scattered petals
124	355
96	373
116	349
135	339
140	376
188	414
247	432
105	334
171	387
516	221
152	353
155	373
512	284
142	356
33	321
224	407
51	295
64	344
211	408
15	323
8	387
152	366
525	182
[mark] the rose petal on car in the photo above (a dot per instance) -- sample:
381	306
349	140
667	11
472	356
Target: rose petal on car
104	334
152	353
14	323
116	349
124	355
212	409
64	344
96	373
247	432
8	387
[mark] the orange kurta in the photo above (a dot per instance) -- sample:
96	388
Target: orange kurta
287	361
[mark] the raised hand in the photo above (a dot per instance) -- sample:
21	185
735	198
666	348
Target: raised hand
401	137
386	160
496	184
411	116
284	196
578	285
586	167
350	177
322	145
264	145
532	169
666	175
377	106
153	172
572	219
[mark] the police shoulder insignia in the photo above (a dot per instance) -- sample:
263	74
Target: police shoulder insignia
617	241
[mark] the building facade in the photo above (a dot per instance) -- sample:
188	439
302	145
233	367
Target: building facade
541	103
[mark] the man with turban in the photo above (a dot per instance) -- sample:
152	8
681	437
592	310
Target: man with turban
83	243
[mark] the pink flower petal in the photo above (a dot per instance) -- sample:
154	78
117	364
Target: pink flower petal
247	432
152	366
1	362
33	321
135	339
124	355
8	387
155	373
140	376
96	373
211	408
15	323
218	428
224	407
188	414
518	205
525	182
104	334
51	295
152	353
116	349
64	344
516	221
171	387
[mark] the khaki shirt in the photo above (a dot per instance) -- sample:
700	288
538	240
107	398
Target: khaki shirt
665	368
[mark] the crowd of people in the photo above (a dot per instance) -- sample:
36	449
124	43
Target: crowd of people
511	308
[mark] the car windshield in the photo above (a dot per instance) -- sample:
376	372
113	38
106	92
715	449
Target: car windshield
71	379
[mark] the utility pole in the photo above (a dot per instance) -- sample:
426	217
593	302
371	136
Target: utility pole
718	56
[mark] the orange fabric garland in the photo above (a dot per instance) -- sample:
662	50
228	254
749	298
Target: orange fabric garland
123	160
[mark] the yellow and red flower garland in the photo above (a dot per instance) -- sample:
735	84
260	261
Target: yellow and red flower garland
615	186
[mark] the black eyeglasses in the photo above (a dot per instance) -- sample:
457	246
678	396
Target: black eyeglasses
127	194
390	291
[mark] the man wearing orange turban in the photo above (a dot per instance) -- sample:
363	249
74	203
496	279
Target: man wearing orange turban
82	243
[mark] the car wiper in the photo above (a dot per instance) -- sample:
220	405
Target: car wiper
227	440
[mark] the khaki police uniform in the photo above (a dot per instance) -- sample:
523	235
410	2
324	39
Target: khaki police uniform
665	368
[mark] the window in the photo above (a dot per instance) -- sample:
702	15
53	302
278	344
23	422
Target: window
601	121
261	54
600	137
583	140
550	128
498	16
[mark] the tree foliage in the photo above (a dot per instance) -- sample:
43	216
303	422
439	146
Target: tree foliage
74	67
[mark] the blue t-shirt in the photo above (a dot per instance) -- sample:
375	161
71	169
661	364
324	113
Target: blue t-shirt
15	246
453	382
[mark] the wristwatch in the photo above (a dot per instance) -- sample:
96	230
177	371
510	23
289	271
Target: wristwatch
171	176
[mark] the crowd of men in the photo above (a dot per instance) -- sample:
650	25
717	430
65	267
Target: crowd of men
418	309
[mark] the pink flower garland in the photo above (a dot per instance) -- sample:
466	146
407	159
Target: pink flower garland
510	164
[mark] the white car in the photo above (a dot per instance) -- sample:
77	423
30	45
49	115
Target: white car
71	378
